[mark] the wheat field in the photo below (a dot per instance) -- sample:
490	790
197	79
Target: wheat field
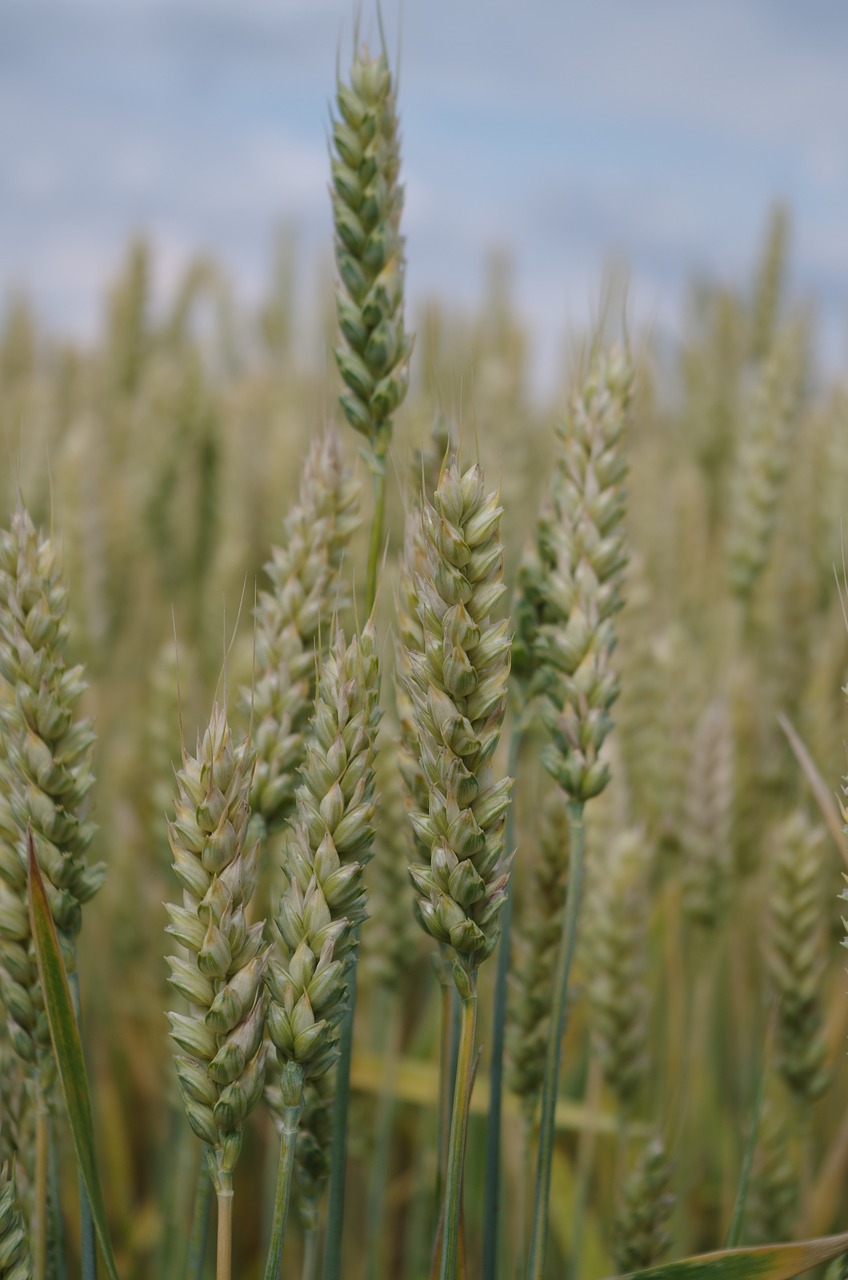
276	626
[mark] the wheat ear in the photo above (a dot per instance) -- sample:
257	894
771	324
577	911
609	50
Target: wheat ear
292	618
327	846
15	1258
220	1058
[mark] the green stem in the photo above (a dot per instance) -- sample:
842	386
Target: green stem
565	955
200	1220
224	1256
39	1224
387	1047
585	1157
338	1153
378	518
491	1211
459	1124
310	1252
445	1087
293	1098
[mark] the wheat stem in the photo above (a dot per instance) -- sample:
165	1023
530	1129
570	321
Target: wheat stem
378	520
310	1254
459	1122
200	1219
493	1121
293	1079
224	1260
389	1026
565	955
445	1084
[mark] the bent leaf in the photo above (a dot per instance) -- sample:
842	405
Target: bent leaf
67	1049
823	797
765	1262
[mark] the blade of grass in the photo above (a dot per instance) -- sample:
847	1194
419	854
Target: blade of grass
201	1217
67	1050
824	798
763	1262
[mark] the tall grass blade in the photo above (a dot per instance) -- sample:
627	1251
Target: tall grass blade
67	1049
818	786
763	1262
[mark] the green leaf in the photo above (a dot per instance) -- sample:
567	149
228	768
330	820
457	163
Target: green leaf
67	1049
765	1262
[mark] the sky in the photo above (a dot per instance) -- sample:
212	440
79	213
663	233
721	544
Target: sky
656	133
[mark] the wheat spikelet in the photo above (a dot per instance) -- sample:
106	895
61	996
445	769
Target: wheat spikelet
16	1118
306	592
45	775
536	941
769	284
367	203
641	1232
456	673
220	1058
762	463
327	846
616	944
576	587
773	1203
797	940
392	942
15	1259
410	640
708	830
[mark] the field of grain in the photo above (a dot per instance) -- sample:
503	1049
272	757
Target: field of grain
312	656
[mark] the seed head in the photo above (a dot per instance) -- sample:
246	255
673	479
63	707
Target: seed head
220	1054
45	774
326	849
15	1257
367	203
797	956
641	1229
708	829
536	943
571	580
455	672
291	620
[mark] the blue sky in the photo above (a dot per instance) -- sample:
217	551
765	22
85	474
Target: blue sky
657	132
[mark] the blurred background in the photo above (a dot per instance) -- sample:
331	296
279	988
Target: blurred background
166	329
652	134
